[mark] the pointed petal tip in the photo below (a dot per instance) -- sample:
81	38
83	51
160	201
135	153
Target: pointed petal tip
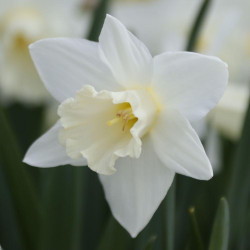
134	234
28	160
208	174
33	45
211	174
108	16
133	231
33	163
45	40
112	20
25	160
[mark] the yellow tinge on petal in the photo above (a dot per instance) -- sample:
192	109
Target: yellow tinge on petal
125	116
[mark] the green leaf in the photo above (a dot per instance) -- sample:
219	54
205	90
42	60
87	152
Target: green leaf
79	198
63	203
96	211
195	242
9	235
198	22
239	186
24	199
220	232
150	243
26	122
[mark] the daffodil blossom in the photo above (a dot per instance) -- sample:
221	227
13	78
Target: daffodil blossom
126	115
22	23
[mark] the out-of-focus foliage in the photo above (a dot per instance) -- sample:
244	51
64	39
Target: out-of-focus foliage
220	232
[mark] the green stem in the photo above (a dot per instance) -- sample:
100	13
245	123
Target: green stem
196	241
98	20
150	243
220	232
198	22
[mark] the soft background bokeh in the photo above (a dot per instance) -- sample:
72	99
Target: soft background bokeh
64	207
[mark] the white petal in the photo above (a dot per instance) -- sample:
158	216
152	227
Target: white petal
190	82
179	147
48	152
128	58
136	190
66	64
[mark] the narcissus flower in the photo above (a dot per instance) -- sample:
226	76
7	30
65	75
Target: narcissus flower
126	115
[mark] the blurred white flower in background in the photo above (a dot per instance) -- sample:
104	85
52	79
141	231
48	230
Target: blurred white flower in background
226	34
229	114
24	22
137	112
163	25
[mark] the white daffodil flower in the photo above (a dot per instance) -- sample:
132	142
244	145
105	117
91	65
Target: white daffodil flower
22	23
126	115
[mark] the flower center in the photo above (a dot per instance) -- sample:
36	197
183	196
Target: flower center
124	115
